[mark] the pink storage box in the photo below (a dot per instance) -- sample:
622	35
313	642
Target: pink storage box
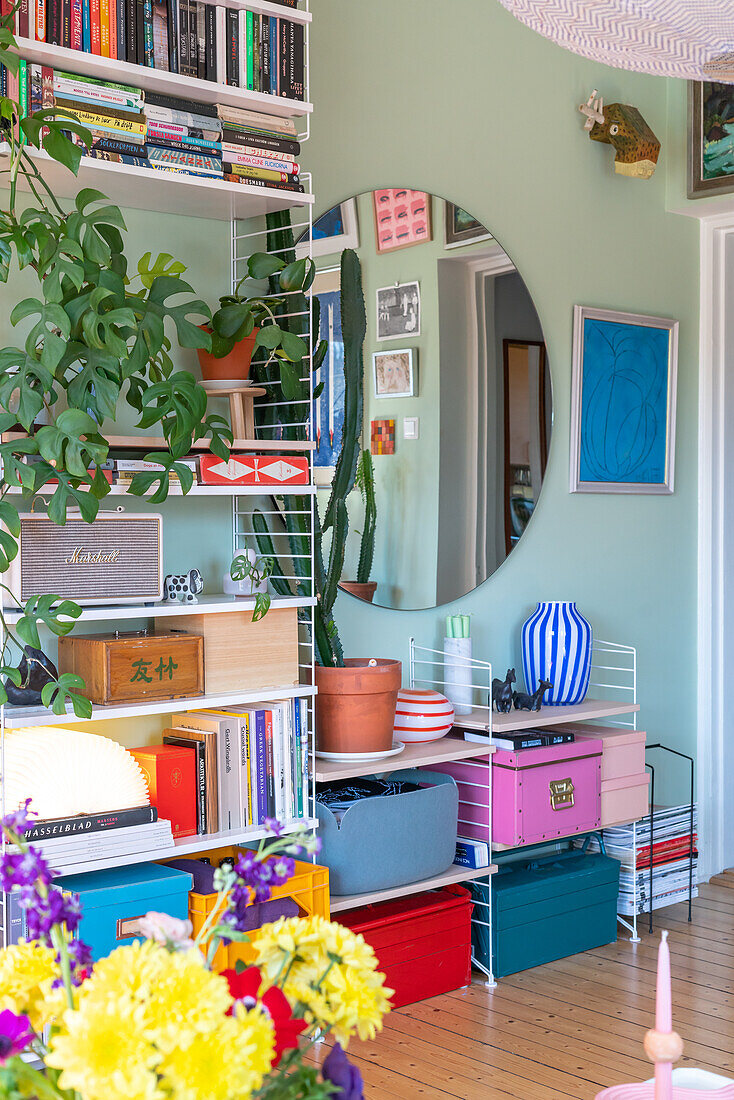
538	794
623	753
624	800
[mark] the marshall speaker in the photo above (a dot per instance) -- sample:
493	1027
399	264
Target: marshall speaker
116	559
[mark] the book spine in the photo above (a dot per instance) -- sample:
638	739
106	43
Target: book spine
256	56
289	760
53	25
232	51
258	173
173	36
297	74
116	145
262	767
303	706
220	21
148	33
249	50
96	34
245	777
284	47
278	765
41	20
210	51
104	27
113	4
241	49
183	37
262	144
91	823
22	19
184	145
265	54
274	89
23	92
237	151
77	28
131	31
121	9
298	786
193	40
66	23
201	40
270	756
249	161
298	189
140	30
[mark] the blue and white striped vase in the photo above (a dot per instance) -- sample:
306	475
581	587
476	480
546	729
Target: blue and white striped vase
556	646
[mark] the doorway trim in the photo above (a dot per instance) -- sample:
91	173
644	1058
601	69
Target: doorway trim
717	233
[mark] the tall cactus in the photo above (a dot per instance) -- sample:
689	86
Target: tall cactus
365	482
295	522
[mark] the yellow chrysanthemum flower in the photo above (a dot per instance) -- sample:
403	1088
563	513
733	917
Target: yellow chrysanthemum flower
331	972
179	997
225	1063
26	973
104	1053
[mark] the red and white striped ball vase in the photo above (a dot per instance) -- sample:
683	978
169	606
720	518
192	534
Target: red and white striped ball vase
422	715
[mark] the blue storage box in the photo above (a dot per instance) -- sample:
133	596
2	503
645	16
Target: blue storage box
552	907
115	899
391	840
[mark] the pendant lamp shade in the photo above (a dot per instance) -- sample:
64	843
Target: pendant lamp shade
692	39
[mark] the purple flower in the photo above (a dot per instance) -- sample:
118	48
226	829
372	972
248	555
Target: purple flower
274	826
80	959
42	913
23	869
15	1034
19	821
340	1072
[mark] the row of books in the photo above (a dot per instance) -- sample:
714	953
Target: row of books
670	856
251	763
164	132
262	53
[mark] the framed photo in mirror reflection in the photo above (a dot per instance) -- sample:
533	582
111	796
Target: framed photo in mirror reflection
394	373
398	311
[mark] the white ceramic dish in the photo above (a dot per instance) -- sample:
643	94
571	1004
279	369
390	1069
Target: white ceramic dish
225	384
358	757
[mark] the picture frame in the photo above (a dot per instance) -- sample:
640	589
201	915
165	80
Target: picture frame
461	228
328	408
398	311
333	231
402	218
710	139
394	372
623	402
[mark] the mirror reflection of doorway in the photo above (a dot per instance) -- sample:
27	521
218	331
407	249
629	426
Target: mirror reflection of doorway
526	448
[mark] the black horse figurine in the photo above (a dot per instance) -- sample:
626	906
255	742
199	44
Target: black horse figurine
502	692
531	702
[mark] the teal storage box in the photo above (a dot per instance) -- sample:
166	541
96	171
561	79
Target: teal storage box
552	907
114	900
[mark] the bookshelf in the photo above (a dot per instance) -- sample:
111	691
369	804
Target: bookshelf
244	207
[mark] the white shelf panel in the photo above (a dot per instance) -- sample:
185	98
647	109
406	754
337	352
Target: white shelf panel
184	846
164	192
158	443
23	717
196	491
412	756
158	80
588	711
207	605
454	874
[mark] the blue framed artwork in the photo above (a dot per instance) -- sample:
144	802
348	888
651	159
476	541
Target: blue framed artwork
623	402
328	412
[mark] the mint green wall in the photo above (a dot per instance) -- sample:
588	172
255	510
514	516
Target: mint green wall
473	106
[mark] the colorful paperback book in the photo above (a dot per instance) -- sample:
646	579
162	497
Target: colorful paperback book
104	27
228	771
77	29
249	51
220	29
179	158
201	796
258	173
160	34
274	67
255	120
90	823
471	853
235	156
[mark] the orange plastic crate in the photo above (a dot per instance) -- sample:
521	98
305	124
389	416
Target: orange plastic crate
309	888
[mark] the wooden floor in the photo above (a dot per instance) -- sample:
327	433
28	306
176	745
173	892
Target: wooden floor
569	1028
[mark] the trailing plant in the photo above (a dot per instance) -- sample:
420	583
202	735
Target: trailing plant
98	335
239	316
365	482
259	570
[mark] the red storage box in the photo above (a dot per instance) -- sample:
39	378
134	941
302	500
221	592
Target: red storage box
422	943
245	469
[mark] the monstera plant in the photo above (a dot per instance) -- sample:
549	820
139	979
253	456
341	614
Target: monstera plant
95	335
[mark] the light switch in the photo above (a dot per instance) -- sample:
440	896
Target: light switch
411	427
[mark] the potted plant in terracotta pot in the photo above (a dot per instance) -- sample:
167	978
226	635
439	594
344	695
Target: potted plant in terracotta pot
355	705
242	324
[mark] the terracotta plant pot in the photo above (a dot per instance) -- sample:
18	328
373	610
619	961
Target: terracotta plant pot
355	705
234	367
365	590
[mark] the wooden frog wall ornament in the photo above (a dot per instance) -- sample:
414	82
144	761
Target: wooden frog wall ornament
636	147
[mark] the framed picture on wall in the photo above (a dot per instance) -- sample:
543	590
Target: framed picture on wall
710	138
394	373
623	402
461	228
328	410
398	311
402	218
334	231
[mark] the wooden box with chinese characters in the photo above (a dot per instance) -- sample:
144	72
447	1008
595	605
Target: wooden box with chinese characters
135	666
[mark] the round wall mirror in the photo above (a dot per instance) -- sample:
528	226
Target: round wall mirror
457	397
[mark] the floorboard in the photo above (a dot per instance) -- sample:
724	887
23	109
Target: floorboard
567	1029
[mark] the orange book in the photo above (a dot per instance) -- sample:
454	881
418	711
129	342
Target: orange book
104	27
95	28
113	27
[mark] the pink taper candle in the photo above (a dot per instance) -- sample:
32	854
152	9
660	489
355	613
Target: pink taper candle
663	1020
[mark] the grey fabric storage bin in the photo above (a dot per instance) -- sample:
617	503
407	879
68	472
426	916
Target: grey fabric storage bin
392	840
